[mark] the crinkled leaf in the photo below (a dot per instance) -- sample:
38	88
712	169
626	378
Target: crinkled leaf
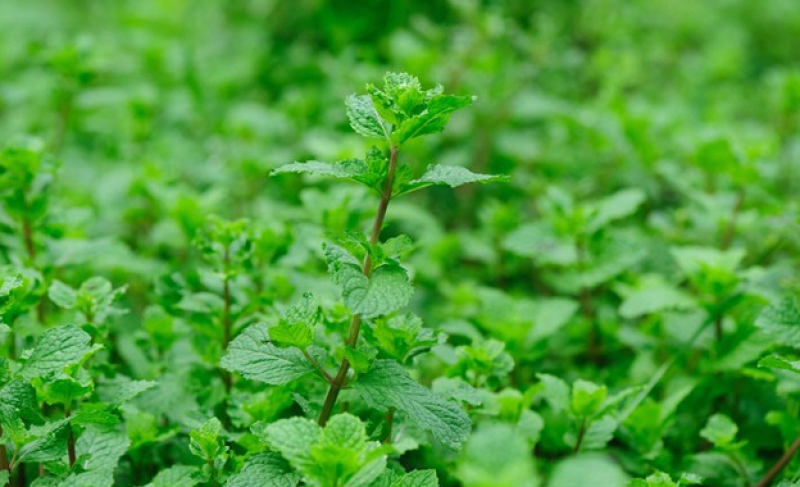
452	176
386	290
782	322
432	120
387	385
364	119
265	470
254	357
178	476
56	349
292	438
101	448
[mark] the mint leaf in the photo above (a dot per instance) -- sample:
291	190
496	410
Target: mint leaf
101	448
62	295
364	119
432	120
387	385
778	362
265	470
588	470
720	430
417	478
56	349
617	206
653	295
452	176
292	438
178	476
296	327
386	290
782	322
253	356
496	456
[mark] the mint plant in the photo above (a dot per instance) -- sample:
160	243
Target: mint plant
374	287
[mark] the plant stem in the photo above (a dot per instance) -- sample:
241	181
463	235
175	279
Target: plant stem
355	324
227	326
317	366
773	472
22	476
581	434
730	229
30	248
70	441
389	423
3	455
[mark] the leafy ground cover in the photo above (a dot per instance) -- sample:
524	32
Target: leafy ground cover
240	245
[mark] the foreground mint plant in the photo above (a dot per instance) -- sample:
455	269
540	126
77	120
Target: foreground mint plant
376	289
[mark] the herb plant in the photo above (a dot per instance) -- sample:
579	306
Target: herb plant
183	306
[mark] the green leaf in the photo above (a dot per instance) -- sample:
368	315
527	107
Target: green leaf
178	476
50	445
101	448
292	438
254	357
387	385
587	397
778	362
452	176
386	290
264	470
56	349
496	456
296	328
3	477
556	392
432	120
417	478
617	206
364	119
653	295
62	295
782	322
588	470
720	430
121	390
205	442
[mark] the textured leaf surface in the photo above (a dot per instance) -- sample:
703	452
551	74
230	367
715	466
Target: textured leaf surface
55	349
293	439
386	290
364	118
251	355
100	448
265	470
452	176
433	119
782	322
178	476
388	386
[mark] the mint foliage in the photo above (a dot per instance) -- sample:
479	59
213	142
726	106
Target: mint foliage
218	267
385	290
388	386
252	355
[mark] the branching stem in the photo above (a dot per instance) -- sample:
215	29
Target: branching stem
773	472
355	324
